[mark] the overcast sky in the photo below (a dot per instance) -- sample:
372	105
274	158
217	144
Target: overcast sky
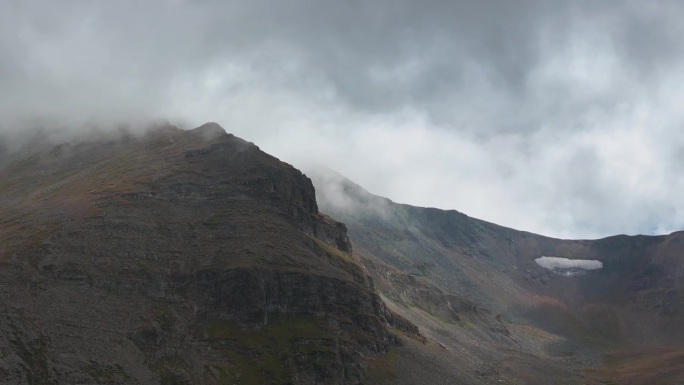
558	117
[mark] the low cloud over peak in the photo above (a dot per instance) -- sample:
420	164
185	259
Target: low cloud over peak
558	118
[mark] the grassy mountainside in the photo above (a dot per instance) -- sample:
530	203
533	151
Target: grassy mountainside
477	294
176	257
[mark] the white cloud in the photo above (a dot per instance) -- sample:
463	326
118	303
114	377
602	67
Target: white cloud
561	118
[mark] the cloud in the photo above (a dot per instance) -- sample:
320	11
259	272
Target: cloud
557	118
339	195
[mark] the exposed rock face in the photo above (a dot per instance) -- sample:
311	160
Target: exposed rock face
180	257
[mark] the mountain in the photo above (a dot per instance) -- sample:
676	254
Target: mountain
492	313
192	257
178	257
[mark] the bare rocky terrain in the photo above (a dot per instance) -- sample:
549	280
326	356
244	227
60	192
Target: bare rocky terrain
177	257
490	314
192	257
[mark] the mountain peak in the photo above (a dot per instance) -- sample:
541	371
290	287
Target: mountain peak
210	130
211	254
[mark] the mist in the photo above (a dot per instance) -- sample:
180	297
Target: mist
560	119
337	194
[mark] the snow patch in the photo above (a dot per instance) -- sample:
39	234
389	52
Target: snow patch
568	267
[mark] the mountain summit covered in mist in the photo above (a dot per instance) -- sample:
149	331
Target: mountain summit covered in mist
192	257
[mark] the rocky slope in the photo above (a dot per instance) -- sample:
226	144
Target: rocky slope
177	257
192	257
491	314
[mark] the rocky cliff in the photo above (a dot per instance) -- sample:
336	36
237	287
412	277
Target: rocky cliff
177	257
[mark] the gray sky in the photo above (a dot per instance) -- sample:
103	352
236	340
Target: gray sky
561	118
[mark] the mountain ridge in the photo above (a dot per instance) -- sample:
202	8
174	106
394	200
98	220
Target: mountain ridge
178	257
465	281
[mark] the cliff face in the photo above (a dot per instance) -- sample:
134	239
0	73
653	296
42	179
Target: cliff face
177	257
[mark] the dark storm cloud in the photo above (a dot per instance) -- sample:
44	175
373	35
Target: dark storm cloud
376	55
557	117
